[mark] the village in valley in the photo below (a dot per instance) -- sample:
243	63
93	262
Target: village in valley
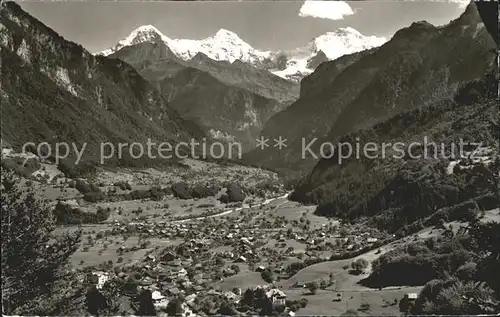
216	240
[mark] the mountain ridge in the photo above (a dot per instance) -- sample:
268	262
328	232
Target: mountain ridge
69	95
431	181
421	64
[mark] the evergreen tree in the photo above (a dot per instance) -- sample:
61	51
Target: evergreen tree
95	301
227	309
404	304
35	275
146	306
174	307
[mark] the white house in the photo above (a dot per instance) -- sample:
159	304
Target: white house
260	268
159	300
241	259
276	296
97	278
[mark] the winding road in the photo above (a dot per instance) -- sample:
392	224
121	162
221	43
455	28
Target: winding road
227	212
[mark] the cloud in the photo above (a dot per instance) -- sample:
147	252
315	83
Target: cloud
333	10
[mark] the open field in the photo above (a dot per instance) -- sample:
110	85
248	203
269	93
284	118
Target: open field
294	211
107	249
381	302
242	280
193	172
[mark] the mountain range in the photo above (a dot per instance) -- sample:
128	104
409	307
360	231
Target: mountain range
230	102
228	46
226	86
223	89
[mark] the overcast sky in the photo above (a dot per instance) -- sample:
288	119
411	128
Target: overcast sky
263	24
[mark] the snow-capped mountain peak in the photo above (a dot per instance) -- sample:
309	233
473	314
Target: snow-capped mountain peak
144	30
344	41
334	44
224	45
224	34
144	33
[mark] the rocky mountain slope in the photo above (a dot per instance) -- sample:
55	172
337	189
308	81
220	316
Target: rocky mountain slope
226	113
227	46
156	61
53	90
251	78
421	65
223	108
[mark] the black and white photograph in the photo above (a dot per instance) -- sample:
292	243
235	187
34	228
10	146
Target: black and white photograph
250	158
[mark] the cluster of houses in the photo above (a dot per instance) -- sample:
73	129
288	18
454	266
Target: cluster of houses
240	243
213	249
161	293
